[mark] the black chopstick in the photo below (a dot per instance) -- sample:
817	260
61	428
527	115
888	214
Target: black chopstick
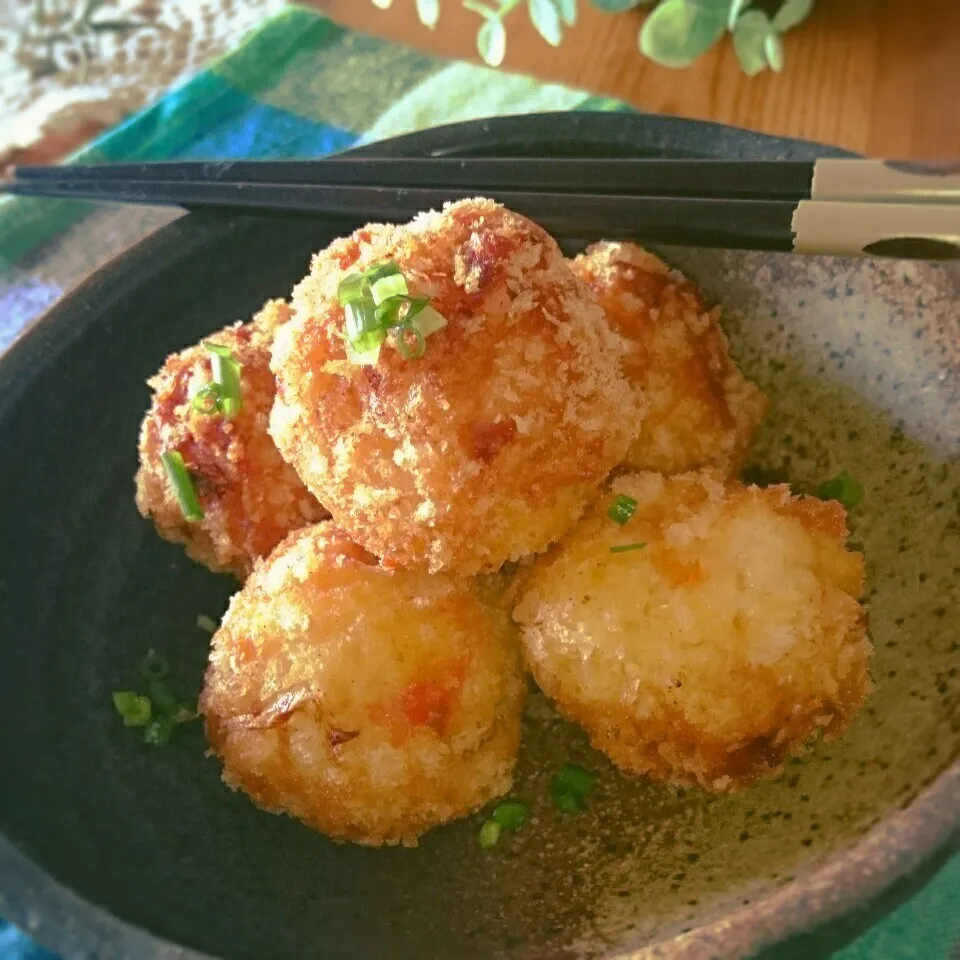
827	206
743	224
647	177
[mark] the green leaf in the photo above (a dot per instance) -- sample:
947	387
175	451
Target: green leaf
568	11
749	41
736	8
492	42
773	48
618	6
791	13
546	19
429	12
485	11
679	31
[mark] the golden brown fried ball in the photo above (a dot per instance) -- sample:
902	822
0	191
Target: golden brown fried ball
702	411
717	649
250	496
488	446
370	704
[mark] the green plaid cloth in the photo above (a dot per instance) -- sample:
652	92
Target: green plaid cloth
303	86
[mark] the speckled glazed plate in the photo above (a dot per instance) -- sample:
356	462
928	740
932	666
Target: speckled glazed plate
111	851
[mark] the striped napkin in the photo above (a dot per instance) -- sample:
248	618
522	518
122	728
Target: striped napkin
301	86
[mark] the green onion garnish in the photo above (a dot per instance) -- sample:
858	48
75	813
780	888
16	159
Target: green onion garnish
428	321
207	399
368	358
134	708
622	509
350	288
157	731
627	547
376	301
162	698
571	787
154	667
226	375
489	835
389	286
510	814
575	779
409	349
843	488
158	712
400	310
361	316
179	478
206	623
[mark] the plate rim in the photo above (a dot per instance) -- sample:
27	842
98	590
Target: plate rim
855	876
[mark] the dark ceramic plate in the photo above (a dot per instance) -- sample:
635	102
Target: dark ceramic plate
114	851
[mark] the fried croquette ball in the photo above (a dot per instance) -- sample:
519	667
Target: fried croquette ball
489	445
720	637
371	704
250	496
702	411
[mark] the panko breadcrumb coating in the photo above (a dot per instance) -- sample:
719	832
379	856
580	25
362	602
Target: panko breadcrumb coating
371	704
719	648
702	410
488	446
251	498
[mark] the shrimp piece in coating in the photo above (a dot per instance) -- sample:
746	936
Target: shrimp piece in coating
251	498
707	638
702	411
371	704
488	446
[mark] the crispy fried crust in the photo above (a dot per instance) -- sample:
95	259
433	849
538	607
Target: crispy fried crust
250	496
371	704
487	447
702	411
716	651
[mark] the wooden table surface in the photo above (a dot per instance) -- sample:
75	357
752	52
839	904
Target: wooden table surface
878	76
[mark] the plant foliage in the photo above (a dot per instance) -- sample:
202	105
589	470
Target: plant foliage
674	33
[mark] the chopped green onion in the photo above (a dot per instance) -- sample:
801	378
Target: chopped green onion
510	814
179	478
428	321
379	300
377	271
162	698
207	399
219	350
364	332
843	488
226	375
154	667
387	287
627	547
622	509
206	623
400	310
566	802
157	731
183	715
489	835
134	708
366	358
350	288
401	338
575	780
